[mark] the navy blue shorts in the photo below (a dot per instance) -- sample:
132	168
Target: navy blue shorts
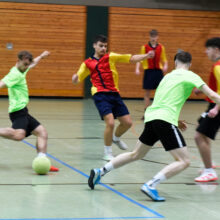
152	78
110	102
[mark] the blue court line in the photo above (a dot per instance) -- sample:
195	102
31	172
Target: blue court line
76	218
157	215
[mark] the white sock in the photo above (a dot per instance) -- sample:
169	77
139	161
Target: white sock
40	154
209	170
115	138
156	180
107	168
108	149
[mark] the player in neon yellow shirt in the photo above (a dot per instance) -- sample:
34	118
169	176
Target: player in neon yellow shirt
23	124
161	121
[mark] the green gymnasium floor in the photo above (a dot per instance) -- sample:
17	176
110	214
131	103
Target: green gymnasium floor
75	146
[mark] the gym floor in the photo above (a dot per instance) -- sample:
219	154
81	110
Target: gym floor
75	145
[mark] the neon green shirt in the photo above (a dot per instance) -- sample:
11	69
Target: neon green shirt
17	89
171	94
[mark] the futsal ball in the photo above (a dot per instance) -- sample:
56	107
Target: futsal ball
41	165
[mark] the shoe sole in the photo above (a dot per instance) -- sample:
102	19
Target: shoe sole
151	197
90	180
206	181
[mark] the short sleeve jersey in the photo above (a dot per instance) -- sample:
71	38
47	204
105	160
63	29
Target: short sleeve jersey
171	94
17	89
214	79
159	58
103	72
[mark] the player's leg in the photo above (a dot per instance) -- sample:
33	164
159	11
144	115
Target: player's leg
108	133
125	124
120	111
147	102
204	146
13	134
38	130
104	105
207	130
42	137
174	143
139	152
19	125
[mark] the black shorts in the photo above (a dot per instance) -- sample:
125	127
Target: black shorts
167	133
209	126
110	102
22	120
152	78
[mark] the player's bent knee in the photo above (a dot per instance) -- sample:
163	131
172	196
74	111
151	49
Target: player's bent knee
19	136
186	163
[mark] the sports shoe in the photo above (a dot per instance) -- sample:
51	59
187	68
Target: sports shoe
54	169
206	177
108	157
94	178
152	193
121	144
108	154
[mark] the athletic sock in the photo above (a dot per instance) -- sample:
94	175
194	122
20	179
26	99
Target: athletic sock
209	170
107	168
156	180
115	138
108	149
40	154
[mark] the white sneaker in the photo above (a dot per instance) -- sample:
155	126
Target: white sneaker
108	154
121	144
206	177
107	157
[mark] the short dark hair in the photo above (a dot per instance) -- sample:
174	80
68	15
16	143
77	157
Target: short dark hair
183	57
213	42
25	55
153	33
101	38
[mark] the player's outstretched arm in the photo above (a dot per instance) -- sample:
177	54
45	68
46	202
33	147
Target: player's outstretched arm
2	85
75	79
140	57
210	93
37	59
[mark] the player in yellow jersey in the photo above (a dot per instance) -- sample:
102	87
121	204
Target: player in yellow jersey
153	67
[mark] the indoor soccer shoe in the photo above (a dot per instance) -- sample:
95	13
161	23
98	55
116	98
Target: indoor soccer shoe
108	157
94	178
54	169
121	144
152	193
206	177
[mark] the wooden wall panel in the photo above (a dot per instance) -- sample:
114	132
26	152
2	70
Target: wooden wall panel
188	30
38	27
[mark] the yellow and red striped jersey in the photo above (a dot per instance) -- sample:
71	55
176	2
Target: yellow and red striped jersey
214	79
159	58
103	72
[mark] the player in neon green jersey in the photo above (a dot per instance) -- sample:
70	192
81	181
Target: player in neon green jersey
23	124
161	123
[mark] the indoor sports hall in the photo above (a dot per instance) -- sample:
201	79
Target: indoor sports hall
75	132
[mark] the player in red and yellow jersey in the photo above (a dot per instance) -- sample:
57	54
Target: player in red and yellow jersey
210	120
153	67
104	77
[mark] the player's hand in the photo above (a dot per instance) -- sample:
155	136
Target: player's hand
45	54
197	91
137	72
182	125
213	112
151	54
75	79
